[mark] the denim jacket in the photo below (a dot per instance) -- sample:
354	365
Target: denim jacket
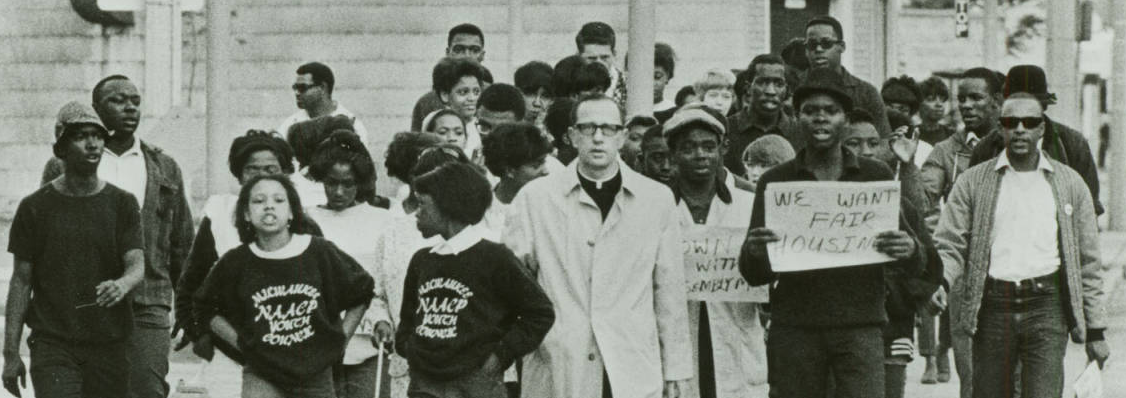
166	224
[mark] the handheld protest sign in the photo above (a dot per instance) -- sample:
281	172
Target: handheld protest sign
711	261
829	224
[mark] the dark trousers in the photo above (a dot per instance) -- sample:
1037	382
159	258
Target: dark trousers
477	384
895	377
928	326
1020	329
150	345
801	360
65	370
319	386
358	381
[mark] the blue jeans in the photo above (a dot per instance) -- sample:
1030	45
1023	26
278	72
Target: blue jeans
1020	329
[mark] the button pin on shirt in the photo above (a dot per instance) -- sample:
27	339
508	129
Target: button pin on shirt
1067	209
590	242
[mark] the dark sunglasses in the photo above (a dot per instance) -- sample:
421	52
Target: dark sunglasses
302	88
814	45
1028	122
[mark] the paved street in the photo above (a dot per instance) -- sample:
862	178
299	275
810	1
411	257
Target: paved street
185	365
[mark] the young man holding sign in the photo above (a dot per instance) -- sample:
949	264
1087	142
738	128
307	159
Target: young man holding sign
1020	232
722	310
828	318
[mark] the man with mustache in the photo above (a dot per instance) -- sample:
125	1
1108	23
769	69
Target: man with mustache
1059	142
155	181
762	95
77	247
1019	232
824	44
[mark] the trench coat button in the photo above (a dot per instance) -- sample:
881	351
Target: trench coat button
590	242
590	357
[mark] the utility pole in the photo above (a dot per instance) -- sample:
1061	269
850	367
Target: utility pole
990	45
162	24
1062	65
218	88
642	35
1117	205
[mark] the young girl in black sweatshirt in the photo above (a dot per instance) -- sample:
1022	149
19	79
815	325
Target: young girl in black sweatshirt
278	296
468	310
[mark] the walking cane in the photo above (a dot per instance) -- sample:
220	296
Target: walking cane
379	371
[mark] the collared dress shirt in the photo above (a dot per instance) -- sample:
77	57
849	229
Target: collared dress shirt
126	171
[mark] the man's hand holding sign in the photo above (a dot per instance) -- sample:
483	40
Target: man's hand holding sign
816	225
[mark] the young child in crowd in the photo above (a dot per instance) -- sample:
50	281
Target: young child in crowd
278	296
469	310
717	90
764	153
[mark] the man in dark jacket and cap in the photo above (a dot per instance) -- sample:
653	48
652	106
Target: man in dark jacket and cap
827	321
1060	142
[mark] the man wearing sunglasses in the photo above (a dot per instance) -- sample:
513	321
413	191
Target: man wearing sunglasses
824	44
312	90
604	243
1059	142
1030	270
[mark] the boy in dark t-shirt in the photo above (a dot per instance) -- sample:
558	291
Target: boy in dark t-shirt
77	247
468	309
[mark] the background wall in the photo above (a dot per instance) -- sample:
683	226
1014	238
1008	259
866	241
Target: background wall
382	53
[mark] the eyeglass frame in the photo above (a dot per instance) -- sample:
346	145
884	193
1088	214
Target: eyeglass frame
592	128
821	43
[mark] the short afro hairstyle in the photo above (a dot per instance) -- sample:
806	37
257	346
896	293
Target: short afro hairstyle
459	190
345	147
450	70
259	140
641	120
96	94
859	115
304	137
794	54
747	77
563	76
533	76
511	145
991	78
596	33
768	151
664	58
501	97
557	122
465	29
321	74
592	76
827	20
402	154
934	86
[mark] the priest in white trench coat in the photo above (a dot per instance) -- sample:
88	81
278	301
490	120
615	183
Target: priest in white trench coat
616	278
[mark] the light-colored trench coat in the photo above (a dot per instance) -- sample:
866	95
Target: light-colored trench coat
617	286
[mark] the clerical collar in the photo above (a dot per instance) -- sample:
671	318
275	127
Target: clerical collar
598	182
